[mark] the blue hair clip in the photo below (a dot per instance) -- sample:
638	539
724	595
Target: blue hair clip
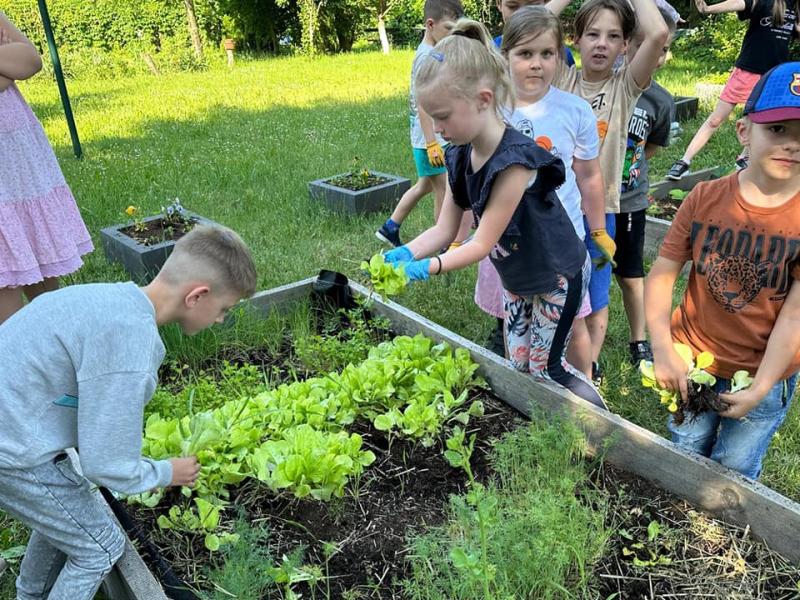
437	56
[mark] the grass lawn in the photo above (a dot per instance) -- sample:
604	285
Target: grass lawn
240	146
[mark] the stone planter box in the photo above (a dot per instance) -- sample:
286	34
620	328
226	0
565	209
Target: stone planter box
377	198
685	107
701	481
655	227
140	261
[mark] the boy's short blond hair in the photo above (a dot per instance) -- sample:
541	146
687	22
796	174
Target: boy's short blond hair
213	254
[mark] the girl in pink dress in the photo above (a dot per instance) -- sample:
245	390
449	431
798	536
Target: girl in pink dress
42	235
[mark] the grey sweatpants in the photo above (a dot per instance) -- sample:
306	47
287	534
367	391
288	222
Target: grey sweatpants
74	540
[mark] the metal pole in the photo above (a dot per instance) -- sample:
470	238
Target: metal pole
62	86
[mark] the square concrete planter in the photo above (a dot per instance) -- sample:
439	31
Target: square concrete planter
140	261
380	197
685	107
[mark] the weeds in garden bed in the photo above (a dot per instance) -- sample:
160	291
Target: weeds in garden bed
661	548
546	526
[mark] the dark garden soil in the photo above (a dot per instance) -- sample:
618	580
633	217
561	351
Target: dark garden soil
691	555
153	232
404	490
357	180
700	399
663	209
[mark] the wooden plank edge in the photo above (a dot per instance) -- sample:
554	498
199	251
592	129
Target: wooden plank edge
708	485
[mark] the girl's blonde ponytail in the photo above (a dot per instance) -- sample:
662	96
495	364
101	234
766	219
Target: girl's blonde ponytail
466	60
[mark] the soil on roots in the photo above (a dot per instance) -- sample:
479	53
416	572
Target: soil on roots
700	399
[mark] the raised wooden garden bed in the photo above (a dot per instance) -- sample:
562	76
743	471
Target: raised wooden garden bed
704	483
143	260
656	226
380	192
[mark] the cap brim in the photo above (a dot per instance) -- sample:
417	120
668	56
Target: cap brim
789	113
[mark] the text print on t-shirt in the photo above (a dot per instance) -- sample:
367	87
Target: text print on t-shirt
782	31
739	263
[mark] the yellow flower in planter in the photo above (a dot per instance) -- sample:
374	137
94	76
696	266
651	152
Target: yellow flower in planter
131	210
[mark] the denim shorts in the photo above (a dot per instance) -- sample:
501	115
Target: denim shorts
424	166
739	444
600	283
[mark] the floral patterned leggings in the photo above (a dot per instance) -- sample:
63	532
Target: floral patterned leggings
537	330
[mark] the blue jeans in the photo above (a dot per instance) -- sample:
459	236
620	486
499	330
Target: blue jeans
737	444
74	540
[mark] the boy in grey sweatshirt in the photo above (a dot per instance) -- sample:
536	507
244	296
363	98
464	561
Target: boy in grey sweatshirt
77	366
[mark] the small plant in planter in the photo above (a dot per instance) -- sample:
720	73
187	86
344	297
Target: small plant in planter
173	223
142	244
701	396
360	190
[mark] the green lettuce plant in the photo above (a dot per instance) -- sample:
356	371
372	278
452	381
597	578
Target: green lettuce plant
696	373
387	279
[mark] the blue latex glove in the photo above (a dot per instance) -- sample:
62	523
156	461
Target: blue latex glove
418	270
398	255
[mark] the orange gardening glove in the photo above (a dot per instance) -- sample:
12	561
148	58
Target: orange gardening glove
435	154
606	246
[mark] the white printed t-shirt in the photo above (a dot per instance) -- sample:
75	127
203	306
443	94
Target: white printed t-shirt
563	124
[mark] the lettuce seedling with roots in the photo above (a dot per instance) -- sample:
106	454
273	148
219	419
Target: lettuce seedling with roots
701	397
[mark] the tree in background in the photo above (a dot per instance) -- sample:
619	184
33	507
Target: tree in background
194	30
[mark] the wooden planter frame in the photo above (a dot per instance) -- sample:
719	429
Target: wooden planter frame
706	484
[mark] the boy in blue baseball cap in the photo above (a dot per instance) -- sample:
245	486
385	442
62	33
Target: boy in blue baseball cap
742	234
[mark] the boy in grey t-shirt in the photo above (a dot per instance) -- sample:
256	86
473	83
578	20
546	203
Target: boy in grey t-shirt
648	131
77	366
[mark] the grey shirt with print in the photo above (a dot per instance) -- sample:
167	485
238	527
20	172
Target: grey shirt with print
77	367
649	124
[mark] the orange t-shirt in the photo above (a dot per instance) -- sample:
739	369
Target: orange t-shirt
745	259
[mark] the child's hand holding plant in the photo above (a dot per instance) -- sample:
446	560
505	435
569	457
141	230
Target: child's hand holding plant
693	391
742	397
388	279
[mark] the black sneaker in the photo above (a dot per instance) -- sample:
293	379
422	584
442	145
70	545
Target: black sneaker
640	351
496	342
597	374
742	162
389	237
677	170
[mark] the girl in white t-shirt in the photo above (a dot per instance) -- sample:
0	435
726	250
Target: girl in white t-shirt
563	124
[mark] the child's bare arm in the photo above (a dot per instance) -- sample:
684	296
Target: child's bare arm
782	347
669	367
506	194
426	123
443	233
589	178
650	150
19	58
656	35
722	7
557	6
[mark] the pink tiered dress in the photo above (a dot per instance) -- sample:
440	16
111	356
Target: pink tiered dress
41	230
